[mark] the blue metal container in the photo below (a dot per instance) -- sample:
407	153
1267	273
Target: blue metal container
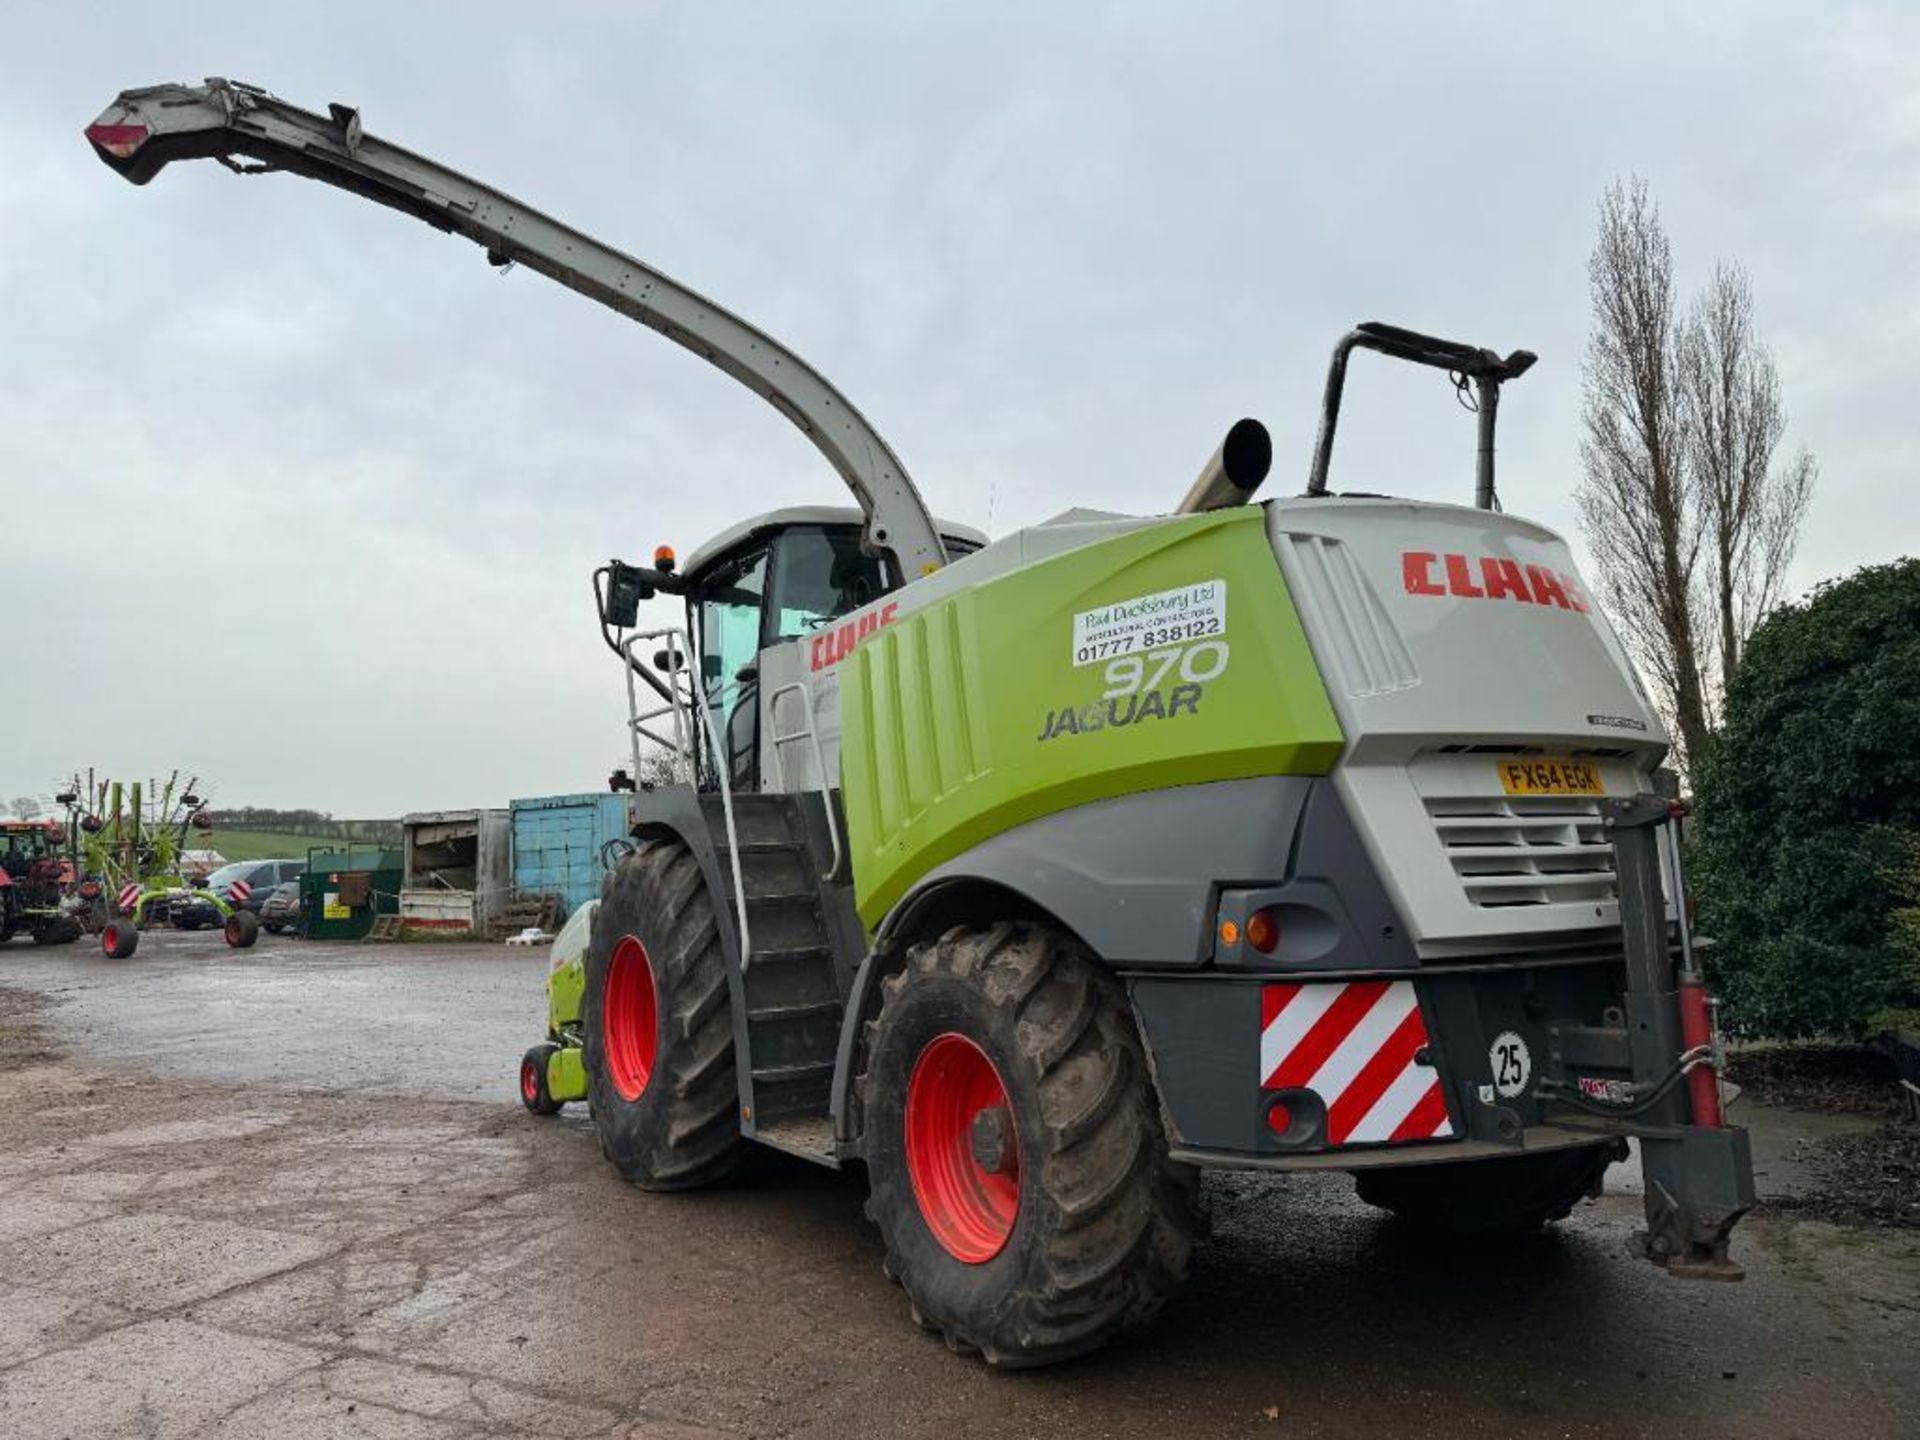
558	842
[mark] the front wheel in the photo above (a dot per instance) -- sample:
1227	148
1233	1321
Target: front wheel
242	929
1511	1195
1015	1151
534	1093
658	1026
120	939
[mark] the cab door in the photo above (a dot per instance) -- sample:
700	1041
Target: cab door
780	589
731	608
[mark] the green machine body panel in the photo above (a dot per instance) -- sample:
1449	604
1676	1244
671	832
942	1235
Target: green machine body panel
1168	655
565	987
567	1074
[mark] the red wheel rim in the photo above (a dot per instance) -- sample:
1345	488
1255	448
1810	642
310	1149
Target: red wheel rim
529	1081
969	1207
629	1018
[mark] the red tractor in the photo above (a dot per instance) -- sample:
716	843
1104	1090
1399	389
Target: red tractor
36	876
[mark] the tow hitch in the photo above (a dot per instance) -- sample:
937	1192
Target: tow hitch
1698	1169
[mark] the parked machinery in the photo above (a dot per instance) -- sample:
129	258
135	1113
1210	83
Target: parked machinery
129	838
37	881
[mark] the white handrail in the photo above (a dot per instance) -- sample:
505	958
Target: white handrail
805	693
677	641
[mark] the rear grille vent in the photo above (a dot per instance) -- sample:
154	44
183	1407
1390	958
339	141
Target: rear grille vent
1353	634
1525	850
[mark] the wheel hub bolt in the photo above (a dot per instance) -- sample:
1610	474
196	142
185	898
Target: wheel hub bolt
993	1146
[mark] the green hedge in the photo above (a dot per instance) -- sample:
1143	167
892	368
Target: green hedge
1807	858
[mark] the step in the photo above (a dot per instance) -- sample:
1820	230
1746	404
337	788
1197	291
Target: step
750	846
790	1074
797	1010
808	1136
757	820
785	926
781	868
787	954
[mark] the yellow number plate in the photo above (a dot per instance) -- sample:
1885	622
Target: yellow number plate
1550	777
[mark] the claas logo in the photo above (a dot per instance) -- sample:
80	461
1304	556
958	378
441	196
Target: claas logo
830	647
1489	577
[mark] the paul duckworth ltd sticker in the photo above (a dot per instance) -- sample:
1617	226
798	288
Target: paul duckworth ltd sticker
1157	652
1147	622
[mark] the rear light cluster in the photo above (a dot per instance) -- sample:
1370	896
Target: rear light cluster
119	141
1262	931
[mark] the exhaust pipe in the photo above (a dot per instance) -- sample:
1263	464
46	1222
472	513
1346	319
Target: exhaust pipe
1234	473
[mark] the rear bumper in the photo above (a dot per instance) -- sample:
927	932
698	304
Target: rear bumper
1376	1068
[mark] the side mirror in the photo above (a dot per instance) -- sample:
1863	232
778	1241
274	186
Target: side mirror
620	603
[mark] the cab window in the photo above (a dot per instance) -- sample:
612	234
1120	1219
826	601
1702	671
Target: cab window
820	574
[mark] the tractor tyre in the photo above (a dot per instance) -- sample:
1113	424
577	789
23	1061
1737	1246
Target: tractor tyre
534	1093
120	939
1015	1150
1509	1196
61	930
242	929
657	1023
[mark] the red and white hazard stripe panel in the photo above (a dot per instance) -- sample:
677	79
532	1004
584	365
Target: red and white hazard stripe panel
1353	1044
239	892
128	894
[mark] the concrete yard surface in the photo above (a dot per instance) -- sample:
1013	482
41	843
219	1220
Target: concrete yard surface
289	1192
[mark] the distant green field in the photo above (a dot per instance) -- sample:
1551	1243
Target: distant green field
265	844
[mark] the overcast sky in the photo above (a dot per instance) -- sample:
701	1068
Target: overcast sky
299	494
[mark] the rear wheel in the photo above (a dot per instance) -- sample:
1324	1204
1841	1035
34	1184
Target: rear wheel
1512	1195
534	1093
242	929
658	1026
1017	1160
120	939
59	930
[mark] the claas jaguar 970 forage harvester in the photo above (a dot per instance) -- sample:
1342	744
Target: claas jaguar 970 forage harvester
1038	876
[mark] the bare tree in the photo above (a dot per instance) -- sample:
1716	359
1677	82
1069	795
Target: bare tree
1679	500
1750	511
1636	506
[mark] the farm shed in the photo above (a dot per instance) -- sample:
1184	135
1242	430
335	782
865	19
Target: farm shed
559	841
458	868
343	890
